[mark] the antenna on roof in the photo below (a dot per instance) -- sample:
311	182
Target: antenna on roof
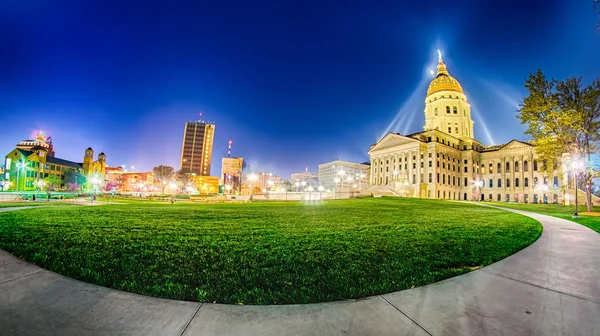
229	149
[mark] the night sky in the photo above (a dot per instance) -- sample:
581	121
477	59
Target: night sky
293	85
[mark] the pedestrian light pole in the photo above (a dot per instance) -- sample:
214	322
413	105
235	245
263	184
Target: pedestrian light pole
576	166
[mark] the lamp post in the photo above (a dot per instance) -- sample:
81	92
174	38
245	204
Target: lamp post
297	184
252	177
576	166
349	180
360	182
94	180
320	188
173	187
478	184
337	181
310	189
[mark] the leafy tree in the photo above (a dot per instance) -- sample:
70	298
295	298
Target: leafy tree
183	179
52	182
288	185
163	175
563	118
74	177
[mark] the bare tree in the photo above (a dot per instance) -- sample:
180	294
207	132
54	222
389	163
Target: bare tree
162	176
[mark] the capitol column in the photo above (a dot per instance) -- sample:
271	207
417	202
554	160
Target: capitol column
402	169
409	173
418	190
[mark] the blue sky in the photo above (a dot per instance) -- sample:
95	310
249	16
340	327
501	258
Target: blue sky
292	84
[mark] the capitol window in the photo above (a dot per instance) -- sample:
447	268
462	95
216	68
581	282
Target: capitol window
455	110
435	111
448	109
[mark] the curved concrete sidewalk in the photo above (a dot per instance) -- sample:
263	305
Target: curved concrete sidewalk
550	288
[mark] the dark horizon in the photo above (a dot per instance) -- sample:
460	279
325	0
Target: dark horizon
292	86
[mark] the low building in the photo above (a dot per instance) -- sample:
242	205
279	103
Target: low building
305	178
344	175
28	165
231	172
267	181
119	179
206	184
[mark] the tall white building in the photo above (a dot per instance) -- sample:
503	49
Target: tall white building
446	162
344	175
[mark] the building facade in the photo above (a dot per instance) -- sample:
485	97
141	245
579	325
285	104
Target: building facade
196	150
309	179
231	172
345	175
446	162
32	161
268	181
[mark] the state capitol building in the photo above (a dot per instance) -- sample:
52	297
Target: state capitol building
446	162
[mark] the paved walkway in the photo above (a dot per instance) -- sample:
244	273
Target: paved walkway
550	288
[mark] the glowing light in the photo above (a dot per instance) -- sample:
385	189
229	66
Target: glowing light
252	177
320	188
576	165
337	180
431	72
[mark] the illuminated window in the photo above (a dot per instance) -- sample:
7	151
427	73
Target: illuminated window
435	111
455	110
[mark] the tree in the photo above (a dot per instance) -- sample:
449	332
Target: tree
163	175
52	182
287	184
563	118
183	179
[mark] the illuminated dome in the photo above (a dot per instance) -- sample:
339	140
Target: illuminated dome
443	81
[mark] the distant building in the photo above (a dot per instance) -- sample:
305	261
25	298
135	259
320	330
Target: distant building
196	150
267	181
231	170
29	164
206	184
128	181
344	175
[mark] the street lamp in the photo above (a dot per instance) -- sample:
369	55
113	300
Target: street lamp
94	180
173	187
320	188
478	184
337	182
395	175
252	177
310	189
576	165
297	184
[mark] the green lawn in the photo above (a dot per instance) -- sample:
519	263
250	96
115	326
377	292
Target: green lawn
266	253
557	210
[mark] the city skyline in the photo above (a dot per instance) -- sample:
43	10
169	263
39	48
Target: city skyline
287	93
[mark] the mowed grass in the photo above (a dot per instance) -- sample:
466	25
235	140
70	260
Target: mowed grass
266	253
560	211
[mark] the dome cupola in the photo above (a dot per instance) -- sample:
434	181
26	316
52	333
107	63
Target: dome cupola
443	81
